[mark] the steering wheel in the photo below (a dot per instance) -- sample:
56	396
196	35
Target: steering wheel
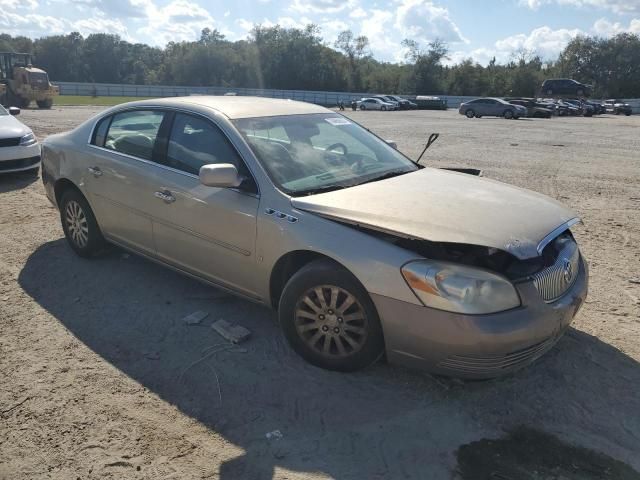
333	146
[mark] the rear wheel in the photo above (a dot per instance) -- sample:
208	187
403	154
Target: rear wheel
549	92
329	319
79	225
580	92
22	102
47	103
470	113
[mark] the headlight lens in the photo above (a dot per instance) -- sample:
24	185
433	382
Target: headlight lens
27	140
457	288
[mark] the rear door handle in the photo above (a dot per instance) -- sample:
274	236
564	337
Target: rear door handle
165	196
95	171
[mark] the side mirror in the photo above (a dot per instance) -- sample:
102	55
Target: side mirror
392	144
14	111
222	175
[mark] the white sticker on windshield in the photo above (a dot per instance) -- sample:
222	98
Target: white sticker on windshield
338	121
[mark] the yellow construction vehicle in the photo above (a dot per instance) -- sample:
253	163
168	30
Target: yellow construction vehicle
21	83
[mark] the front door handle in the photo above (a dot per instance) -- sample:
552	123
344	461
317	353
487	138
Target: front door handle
95	171
165	196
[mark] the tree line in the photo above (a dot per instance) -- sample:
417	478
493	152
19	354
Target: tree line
294	58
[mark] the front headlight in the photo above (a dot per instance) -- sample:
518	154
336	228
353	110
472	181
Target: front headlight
28	139
457	288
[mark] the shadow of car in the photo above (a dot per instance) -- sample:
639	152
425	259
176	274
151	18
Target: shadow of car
383	422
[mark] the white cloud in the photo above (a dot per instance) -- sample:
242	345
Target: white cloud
177	21
605	28
100	25
15	4
423	21
31	25
358	12
616	6
376	28
321	6
543	41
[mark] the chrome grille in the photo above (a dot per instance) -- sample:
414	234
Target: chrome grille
491	365
555	280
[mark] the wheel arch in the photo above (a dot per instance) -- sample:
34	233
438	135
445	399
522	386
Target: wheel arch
288	265
62	185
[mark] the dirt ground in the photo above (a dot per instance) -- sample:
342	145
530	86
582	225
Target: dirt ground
100	378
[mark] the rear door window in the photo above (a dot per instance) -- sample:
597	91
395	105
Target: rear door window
134	133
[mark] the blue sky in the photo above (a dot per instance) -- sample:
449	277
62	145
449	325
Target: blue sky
472	28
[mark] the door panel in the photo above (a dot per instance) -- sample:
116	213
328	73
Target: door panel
118	176
208	231
120	199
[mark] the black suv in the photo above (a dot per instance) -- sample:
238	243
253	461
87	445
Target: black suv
565	86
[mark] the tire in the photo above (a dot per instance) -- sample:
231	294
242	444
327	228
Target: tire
549	92
508	114
45	104
470	113
580	92
79	225
627	113
23	102
383	108
328	340
362	107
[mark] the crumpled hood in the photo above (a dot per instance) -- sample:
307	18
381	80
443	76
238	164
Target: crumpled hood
443	206
10	127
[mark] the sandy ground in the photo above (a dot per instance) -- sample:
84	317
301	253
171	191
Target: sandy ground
100	378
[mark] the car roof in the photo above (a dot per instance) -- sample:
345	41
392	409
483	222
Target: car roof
234	107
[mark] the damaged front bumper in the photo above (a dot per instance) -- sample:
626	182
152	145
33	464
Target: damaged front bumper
478	346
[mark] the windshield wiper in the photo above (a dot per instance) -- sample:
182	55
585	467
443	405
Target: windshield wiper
389	174
324	189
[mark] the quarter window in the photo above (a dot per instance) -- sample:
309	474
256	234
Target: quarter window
134	133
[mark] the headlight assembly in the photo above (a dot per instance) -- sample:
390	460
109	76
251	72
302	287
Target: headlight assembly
28	139
458	288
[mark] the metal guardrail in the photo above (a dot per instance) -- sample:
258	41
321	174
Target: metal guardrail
320	97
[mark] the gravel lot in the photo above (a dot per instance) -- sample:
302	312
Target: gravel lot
100	378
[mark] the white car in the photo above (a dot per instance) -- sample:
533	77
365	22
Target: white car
374	104
19	149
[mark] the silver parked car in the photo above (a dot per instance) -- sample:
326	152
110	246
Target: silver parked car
360	250
374	104
491	107
19	148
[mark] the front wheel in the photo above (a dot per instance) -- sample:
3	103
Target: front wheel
469	113
508	114
329	319
580	92
383	108
79	225
362	107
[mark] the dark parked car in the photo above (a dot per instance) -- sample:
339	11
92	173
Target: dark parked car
598	107
491	107
427	102
585	108
617	107
402	102
534	109
565	86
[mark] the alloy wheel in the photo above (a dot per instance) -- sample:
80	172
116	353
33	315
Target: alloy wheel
77	225
331	321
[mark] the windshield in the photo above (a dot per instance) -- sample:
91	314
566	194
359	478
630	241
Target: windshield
38	79
304	154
